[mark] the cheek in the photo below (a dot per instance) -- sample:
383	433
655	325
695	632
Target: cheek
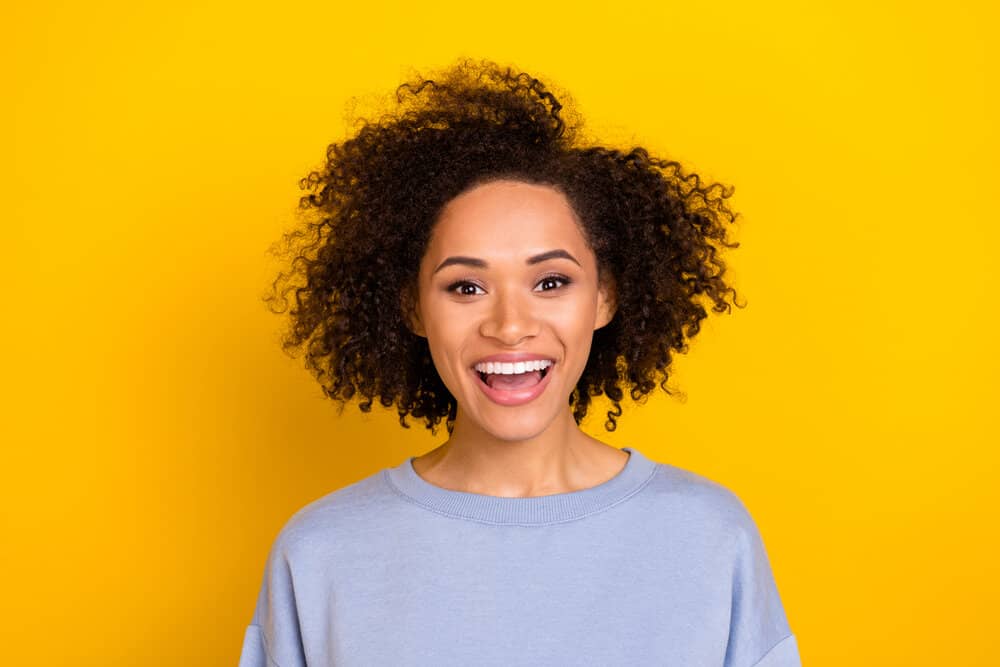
440	359
573	318
445	338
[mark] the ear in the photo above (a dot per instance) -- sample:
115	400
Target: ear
410	306
607	303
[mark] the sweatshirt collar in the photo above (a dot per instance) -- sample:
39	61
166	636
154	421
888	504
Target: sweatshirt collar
533	510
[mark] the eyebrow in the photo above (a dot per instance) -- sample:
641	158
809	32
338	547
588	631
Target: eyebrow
481	264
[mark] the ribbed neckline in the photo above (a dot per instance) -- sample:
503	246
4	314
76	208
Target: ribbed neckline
558	507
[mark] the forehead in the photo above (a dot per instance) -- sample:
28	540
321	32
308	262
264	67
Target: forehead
506	218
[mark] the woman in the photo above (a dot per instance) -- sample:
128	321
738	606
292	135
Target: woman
469	260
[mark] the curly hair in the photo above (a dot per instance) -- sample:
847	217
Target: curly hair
368	212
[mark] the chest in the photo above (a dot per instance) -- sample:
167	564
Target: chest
520	598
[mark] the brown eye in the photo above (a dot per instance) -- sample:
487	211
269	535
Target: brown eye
551	280
465	288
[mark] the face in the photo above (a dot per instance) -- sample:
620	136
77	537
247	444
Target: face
508	275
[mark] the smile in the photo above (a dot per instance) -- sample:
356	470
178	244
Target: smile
511	389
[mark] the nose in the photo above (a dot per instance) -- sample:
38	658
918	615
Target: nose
510	319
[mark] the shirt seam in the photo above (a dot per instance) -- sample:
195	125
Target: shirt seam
771	650
263	642
410	499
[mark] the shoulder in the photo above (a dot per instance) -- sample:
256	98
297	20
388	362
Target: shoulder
702	501
713	543
342	512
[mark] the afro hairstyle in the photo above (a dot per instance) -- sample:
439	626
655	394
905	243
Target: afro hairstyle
656	231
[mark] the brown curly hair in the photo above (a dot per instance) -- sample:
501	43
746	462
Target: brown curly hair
369	212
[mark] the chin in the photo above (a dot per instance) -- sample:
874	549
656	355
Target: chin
517	428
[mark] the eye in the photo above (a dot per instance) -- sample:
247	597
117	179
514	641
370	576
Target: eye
555	278
463	287
467	288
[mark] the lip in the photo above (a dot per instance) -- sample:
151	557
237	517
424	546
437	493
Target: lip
517	397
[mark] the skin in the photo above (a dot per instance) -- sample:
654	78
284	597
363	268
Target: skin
509	305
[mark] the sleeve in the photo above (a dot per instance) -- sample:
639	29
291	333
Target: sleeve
254	653
759	634
273	638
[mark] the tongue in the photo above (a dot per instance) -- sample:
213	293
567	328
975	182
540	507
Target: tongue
516	381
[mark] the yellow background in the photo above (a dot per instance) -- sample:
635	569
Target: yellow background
155	439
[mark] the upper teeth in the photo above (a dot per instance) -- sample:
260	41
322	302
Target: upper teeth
513	369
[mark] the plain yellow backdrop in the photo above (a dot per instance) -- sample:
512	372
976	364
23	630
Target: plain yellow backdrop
155	438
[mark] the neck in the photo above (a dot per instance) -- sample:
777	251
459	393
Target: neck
561	459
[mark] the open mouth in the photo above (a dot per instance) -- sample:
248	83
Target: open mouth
513	389
512	381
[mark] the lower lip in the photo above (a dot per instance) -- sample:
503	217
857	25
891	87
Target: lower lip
517	397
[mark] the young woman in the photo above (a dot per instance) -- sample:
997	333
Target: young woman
468	259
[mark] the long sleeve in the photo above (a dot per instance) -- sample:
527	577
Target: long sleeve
273	638
254	653
759	635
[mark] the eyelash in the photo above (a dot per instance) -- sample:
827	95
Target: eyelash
563	279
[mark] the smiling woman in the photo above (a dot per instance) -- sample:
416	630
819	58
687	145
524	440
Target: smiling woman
466	258
508	277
